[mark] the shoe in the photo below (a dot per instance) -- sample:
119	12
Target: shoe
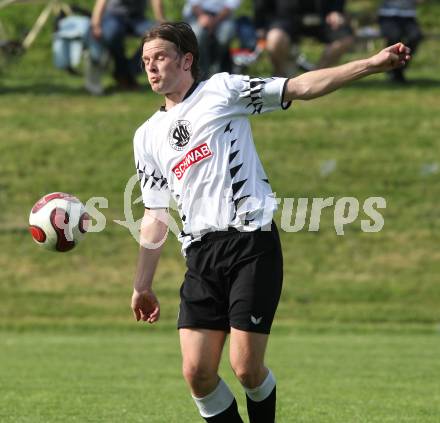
303	64
93	73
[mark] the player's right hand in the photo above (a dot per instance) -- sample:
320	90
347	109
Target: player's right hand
391	57
145	306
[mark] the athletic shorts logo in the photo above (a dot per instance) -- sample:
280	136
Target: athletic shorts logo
180	134
193	156
256	320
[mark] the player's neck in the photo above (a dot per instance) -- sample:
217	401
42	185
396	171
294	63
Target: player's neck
172	99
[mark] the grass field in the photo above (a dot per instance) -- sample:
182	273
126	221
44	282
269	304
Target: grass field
133	377
357	332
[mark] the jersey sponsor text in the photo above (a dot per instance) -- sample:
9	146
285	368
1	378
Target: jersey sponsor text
193	156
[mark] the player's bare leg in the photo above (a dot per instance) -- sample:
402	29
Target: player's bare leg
247	350
201	354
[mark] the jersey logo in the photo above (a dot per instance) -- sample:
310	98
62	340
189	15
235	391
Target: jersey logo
193	156
180	134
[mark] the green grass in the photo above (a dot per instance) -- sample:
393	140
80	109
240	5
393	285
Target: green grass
115	377
58	138
356	335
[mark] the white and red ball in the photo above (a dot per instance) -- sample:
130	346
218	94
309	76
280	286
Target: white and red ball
58	221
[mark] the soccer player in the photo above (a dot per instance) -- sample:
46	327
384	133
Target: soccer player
198	149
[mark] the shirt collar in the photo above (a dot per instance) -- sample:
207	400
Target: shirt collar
188	93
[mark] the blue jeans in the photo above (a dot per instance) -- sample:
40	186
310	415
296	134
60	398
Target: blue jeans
213	47
114	30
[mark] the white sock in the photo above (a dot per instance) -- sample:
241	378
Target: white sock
260	393
216	402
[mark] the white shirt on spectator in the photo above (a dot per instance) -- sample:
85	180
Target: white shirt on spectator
213	6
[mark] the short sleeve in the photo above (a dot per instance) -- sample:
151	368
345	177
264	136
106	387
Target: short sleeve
154	186
256	95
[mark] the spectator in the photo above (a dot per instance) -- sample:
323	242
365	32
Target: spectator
212	22
397	20
112	21
286	21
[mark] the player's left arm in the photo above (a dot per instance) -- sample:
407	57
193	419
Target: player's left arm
323	81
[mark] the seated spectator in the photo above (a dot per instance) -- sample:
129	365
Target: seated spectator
285	22
112	21
398	22
213	24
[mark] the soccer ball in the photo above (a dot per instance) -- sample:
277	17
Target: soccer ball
58	221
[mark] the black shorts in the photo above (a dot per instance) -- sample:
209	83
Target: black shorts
234	279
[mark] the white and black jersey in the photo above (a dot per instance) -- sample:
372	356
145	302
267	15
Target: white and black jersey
201	153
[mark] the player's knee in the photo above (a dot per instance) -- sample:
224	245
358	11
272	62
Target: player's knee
248	376
197	375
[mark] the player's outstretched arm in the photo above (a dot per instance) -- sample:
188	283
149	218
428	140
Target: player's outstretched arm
323	81
154	230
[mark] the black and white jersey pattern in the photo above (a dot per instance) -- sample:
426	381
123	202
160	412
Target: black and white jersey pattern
201	153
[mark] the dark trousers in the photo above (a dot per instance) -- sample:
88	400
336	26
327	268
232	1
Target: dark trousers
115	29
406	30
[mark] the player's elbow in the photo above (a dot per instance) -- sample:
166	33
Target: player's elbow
154	226
298	89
